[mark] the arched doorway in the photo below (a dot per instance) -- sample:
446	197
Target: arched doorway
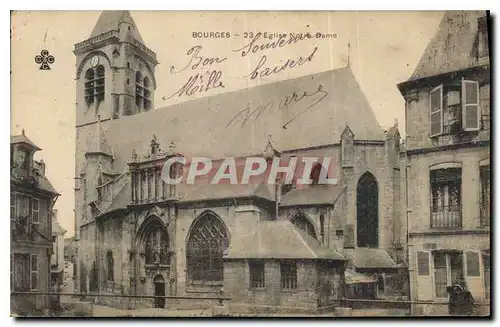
367	211
159	285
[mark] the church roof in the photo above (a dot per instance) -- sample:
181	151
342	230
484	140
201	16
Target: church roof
191	193
453	47
111	19
314	195
212	126
278	239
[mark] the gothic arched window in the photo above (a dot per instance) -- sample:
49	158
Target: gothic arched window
156	244
305	224
95	85
207	242
367	211
139	89
147	93
110	266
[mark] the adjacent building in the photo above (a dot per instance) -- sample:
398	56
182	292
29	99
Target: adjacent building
57	262
447	163
32	198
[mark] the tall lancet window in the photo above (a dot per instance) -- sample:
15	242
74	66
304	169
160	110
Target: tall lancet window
95	85
139	90
147	93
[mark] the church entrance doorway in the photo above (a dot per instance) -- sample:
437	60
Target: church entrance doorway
159	286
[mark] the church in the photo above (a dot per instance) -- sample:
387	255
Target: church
265	247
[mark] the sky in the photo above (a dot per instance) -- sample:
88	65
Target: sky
385	48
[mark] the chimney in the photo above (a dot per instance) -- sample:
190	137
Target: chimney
41	168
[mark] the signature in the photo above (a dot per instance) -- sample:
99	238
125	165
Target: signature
254	113
254	47
196	84
197	61
200	82
290	63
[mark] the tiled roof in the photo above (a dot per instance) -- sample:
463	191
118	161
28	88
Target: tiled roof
352	277
190	193
453	47
278	239
44	184
313	195
205	126
14	139
372	258
110	20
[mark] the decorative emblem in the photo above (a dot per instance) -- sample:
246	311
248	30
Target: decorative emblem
94	61
44	59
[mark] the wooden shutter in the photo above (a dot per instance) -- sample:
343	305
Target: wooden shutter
470	105
473	274
436	111
424	275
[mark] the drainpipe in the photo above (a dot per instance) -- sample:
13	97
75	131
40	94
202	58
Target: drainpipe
410	295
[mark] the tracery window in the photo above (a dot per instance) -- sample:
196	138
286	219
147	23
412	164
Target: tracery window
206	245
157	246
94	85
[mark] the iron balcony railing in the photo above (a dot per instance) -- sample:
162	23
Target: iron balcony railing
446	216
485	214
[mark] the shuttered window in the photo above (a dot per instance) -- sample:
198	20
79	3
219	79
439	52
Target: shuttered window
34	272
472	263
436	111
423	263
470	105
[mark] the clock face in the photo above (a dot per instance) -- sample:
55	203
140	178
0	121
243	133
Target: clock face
94	61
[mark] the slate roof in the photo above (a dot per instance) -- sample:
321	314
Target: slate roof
453	47
111	19
14	139
44	184
278	239
372	258
224	191
352	277
313	195
205	126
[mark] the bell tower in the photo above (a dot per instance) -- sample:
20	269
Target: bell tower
115	70
115	77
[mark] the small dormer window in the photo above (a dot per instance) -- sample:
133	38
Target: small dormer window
454	107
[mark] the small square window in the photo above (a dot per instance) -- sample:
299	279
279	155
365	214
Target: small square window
257	274
288	271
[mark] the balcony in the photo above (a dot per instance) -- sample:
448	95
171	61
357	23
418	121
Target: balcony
446	217
485	215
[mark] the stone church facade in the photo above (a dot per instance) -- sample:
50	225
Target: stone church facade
262	245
